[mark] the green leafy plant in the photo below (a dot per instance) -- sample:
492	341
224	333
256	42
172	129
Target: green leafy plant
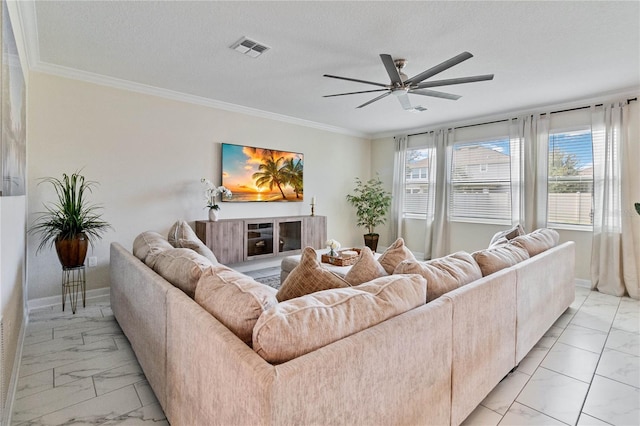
70	215
371	201
637	207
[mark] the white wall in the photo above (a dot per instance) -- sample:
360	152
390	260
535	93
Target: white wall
149	153
12	268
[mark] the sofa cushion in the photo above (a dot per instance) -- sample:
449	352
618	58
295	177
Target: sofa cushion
182	236
365	269
394	254
147	245
299	326
538	241
234	299
499	257
199	247
182	267
443	274
308	277
508	234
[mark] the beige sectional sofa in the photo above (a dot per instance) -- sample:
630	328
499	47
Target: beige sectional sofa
432	364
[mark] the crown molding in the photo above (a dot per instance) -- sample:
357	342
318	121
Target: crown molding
117	83
24	22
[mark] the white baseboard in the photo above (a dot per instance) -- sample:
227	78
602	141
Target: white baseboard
583	283
45	302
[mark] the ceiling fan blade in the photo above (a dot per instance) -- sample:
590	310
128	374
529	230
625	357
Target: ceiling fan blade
439	68
433	93
355	93
390	66
451	81
356	80
404	101
374	99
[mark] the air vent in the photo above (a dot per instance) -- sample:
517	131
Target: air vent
249	47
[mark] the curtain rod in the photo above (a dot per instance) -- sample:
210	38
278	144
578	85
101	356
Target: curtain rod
508	119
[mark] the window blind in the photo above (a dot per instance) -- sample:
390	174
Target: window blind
481	181
570	178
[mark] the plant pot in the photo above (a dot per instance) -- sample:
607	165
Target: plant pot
371	241
72	252
213	215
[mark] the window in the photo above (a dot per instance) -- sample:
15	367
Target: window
481	182
419	183
570	178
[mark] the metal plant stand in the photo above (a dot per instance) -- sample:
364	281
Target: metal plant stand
73	282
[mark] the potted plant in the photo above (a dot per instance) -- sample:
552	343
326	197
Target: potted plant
70	223
372	203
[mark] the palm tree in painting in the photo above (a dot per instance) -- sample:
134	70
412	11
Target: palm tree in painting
293	172
270	174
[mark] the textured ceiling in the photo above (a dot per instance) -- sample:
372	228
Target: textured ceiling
541	53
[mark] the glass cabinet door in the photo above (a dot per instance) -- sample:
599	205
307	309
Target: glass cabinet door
289	236
259	239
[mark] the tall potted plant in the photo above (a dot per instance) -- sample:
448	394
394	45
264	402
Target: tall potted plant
70	223
372	203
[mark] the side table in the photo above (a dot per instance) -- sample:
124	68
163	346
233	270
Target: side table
73	281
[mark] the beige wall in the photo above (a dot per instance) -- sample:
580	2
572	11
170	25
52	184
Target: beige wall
149	153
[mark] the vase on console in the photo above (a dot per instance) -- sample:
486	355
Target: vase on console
211	194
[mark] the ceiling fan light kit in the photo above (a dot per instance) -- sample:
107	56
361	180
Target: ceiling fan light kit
400	85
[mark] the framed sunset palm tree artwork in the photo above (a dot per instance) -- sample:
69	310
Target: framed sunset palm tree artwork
261	174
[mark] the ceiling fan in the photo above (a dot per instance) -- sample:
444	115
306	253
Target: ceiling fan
400	85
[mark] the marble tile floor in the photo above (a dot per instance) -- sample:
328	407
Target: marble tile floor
79	369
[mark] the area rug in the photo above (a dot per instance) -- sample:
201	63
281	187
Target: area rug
271	281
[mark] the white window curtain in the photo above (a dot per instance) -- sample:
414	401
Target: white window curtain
438	245
398	190
529	138
614	254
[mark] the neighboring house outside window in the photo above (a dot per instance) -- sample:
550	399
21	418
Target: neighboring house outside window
570	179
419	184
481	182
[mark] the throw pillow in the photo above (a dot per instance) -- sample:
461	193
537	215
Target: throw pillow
199	247
443	274
147	245
302	325
234	299
365	269
308	277
509	234
180	230
182	236
538	241
496	258
396	253
181	267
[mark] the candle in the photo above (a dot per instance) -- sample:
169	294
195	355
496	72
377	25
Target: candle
313	200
